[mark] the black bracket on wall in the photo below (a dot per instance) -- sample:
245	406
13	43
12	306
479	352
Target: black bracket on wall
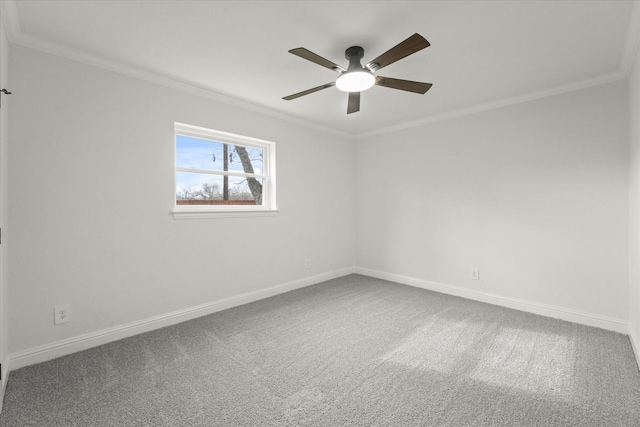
6	92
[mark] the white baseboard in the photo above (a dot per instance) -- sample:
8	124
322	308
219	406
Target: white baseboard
83	342
603	322
635	342
5	378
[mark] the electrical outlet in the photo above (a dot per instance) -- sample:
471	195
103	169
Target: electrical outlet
475	274
307	263
61	314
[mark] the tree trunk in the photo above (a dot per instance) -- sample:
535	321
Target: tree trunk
255	186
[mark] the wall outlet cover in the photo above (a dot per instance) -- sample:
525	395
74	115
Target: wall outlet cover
61	314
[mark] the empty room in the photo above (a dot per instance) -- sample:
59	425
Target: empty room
319	213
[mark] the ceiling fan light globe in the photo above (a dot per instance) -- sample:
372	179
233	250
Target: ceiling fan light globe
355	81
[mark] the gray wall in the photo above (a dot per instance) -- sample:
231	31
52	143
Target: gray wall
634	201
4	141
535	195
91	176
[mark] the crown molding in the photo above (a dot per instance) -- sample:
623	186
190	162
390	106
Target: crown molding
9	14
632	42
630	51
495	104
16	36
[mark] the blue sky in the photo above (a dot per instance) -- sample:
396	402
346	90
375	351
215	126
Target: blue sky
204	154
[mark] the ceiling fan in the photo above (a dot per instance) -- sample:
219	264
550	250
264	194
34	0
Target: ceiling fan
356	78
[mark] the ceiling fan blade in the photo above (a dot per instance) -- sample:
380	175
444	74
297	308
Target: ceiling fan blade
308	91
408	85
310	56
411	45
354	102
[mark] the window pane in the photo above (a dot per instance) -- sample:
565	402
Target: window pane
210	155
248	158
205	189
248	189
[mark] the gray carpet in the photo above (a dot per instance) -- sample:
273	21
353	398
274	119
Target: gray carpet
354	351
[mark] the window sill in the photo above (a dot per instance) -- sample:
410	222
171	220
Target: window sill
221	213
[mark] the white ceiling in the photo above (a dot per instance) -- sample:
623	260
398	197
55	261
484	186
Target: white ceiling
482	53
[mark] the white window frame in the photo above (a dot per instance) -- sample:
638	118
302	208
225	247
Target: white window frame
268	175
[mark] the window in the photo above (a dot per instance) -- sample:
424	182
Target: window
222	173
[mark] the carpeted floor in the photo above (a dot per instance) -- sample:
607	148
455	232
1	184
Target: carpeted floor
354	351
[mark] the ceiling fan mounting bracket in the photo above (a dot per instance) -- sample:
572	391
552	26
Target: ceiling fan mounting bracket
354	54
